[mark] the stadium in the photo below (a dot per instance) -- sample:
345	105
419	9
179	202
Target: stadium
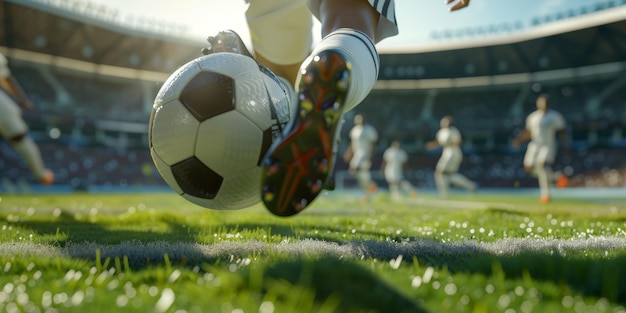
94	78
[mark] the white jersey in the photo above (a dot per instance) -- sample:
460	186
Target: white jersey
543	126
4	67
450	139
395	159
11	122
362	138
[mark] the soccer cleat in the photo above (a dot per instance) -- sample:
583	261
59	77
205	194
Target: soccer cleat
544	199
229	41
47	178
226	41
299	166
562	182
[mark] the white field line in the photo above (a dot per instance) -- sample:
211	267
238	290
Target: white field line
140	253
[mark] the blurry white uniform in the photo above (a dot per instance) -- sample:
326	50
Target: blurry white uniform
449	139
11	122
395	158
394	161
541	149
448	165
362	139
12	126
543	128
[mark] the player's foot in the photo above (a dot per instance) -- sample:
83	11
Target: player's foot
298	167
562	182
226	41
229	41
544	199
47	178
372	188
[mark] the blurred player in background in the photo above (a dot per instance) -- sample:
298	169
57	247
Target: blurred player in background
359	154
446	173
394	161
330	79
12	126
542	126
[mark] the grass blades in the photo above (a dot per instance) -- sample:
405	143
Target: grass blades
159	253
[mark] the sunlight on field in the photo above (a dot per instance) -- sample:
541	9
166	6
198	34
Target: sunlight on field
157	252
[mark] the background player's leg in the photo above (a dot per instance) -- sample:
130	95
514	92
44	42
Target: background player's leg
544	183
459	180
442	182
27	148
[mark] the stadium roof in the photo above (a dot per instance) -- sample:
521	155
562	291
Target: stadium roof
91	41
583	41
45	33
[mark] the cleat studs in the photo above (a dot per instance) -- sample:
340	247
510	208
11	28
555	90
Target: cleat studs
322	166
316	186
268	194
309	77
272	170
306	106
300	205
268	197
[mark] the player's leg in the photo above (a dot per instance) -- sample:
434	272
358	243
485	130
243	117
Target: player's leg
543	174
328	85
444	167
394	190
558	178
452	169
364	177
14	129
281	34
442	182
530	158
407	188
461	181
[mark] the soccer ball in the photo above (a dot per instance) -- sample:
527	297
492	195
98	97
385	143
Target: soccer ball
212	122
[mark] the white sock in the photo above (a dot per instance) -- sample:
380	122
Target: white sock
461	181
442	181
544	184
361	52
29	151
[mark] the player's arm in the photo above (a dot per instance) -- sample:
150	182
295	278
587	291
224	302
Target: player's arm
458	4
521	138
432	145
11	85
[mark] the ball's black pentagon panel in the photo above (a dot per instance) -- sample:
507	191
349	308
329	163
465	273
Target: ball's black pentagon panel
208	94
196	179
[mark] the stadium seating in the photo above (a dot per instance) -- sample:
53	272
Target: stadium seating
92	127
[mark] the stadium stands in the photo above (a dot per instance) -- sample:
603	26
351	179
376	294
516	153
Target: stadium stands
92	108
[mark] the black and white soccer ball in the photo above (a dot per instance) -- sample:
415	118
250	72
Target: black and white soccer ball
212	122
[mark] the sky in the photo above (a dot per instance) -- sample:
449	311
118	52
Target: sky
417	19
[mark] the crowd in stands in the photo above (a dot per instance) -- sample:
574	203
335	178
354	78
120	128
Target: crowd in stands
71	106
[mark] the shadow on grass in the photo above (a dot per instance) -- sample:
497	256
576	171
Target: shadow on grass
68	228
355	288
584	269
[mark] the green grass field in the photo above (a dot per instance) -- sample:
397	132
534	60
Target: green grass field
159	253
